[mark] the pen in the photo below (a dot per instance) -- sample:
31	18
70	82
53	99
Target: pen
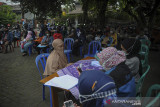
93	86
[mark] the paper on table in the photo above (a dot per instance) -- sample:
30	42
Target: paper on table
95	63
41	46
65	82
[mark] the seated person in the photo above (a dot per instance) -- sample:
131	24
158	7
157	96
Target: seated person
80	41
113	62
26	43
106	41
132	48
57	59
47	41
57	35
73	34
113	34
95	88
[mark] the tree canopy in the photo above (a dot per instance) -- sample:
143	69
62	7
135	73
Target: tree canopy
43	8
6	15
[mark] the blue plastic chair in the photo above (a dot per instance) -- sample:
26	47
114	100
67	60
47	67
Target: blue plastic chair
68	43
81	50
102	37
42	59
96	46
30	49
110	41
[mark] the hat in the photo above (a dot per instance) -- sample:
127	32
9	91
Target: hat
110	57
94	86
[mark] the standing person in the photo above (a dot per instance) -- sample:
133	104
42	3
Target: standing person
7	39
17	36
132	47
113	62
57	59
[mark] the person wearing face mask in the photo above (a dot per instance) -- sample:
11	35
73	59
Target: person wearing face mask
95	88
113	63
132	47
57	59
47	40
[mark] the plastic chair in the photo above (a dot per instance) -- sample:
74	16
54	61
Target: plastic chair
68	43
149	93
144	54
42	59
96	46
30	49
140	82
102	37
81	50
145	42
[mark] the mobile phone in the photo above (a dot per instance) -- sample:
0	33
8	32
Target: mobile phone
79	68
68	103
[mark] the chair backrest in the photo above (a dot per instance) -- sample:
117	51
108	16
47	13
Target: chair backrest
155	87
145	42
140	82
144	48
68	43
144	53
102	37
95	45
42	58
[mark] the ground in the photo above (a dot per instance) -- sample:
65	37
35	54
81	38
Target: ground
20	86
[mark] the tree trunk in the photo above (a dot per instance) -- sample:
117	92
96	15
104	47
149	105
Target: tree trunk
85	11
101	13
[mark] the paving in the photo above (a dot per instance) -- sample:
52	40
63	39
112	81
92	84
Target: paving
20	86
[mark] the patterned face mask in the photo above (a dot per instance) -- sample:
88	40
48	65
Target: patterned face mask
97	94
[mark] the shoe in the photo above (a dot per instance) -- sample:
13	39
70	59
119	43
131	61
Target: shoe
24	54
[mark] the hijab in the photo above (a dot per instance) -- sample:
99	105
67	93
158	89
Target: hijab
132	47
29	35
57	59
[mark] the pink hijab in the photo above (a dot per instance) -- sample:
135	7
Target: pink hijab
110	57
29	35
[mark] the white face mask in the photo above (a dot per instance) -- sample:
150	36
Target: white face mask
97	94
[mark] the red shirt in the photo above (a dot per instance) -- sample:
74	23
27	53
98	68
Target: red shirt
57	36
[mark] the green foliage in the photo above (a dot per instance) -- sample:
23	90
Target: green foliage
6	15
43	8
